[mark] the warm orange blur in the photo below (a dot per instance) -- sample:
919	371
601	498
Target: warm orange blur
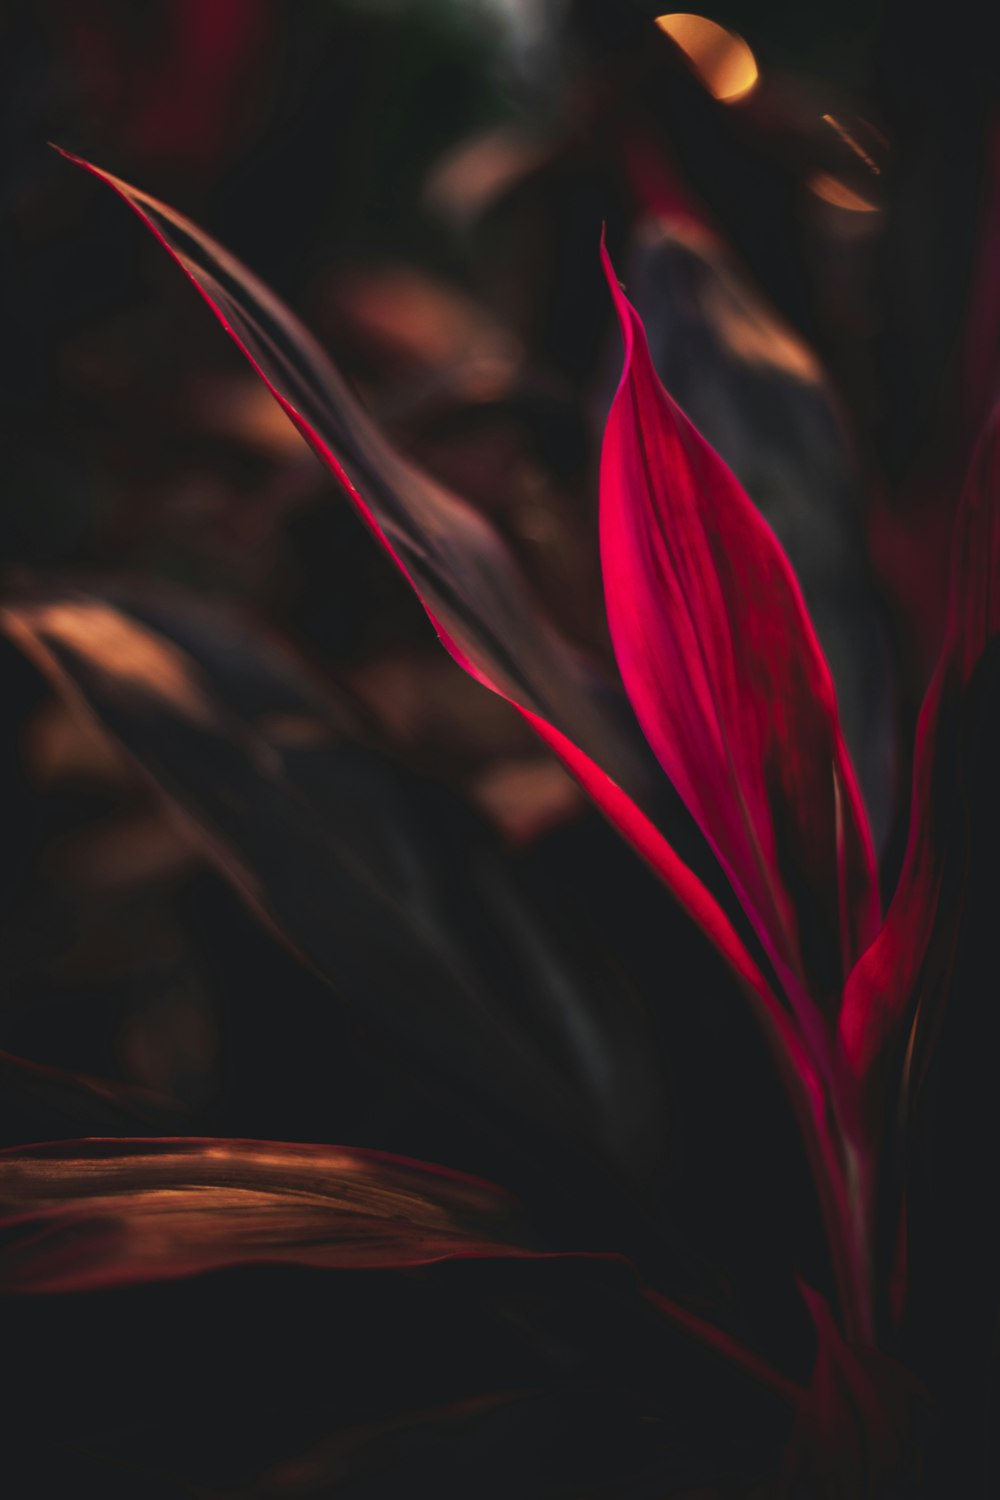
721	59
114	644
833	190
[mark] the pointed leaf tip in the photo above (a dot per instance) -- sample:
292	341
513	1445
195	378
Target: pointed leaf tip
728	680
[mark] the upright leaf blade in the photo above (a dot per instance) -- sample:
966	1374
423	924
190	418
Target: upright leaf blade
760	397
456	563
464	579
728	681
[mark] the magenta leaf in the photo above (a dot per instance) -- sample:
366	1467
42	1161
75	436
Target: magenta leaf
762	400
476	601
461	571
728	680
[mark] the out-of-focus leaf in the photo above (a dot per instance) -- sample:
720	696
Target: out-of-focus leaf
584	1440
33	1091
455	560
323	1382
901	982
403	902
87	1214
857	1419
475	599
760	398
461	571
945	1156
97	1214
981	338
919	1022
728	680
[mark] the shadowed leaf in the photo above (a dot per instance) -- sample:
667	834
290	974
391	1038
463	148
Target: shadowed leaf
551	1374
392	891
461	571
901	982
35	1092
475	600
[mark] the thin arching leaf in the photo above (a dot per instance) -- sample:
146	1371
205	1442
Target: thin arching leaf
81	1215
463	576
728	680
453	559
99	1214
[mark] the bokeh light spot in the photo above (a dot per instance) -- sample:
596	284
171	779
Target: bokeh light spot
721	59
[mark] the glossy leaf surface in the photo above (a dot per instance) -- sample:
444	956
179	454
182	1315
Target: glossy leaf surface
728	680
762	400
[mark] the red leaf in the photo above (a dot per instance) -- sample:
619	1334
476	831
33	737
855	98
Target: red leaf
728	680
474	597
460	570
905	971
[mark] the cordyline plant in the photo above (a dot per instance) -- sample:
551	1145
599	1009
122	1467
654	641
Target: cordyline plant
729	685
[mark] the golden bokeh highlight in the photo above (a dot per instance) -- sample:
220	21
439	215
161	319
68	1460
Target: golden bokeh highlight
834	190
721	59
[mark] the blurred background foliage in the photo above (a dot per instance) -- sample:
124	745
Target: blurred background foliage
812	249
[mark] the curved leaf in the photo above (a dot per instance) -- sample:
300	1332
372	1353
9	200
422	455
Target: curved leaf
728	681
454	560
87	1214
81	1216
394	894
759	396
474	599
